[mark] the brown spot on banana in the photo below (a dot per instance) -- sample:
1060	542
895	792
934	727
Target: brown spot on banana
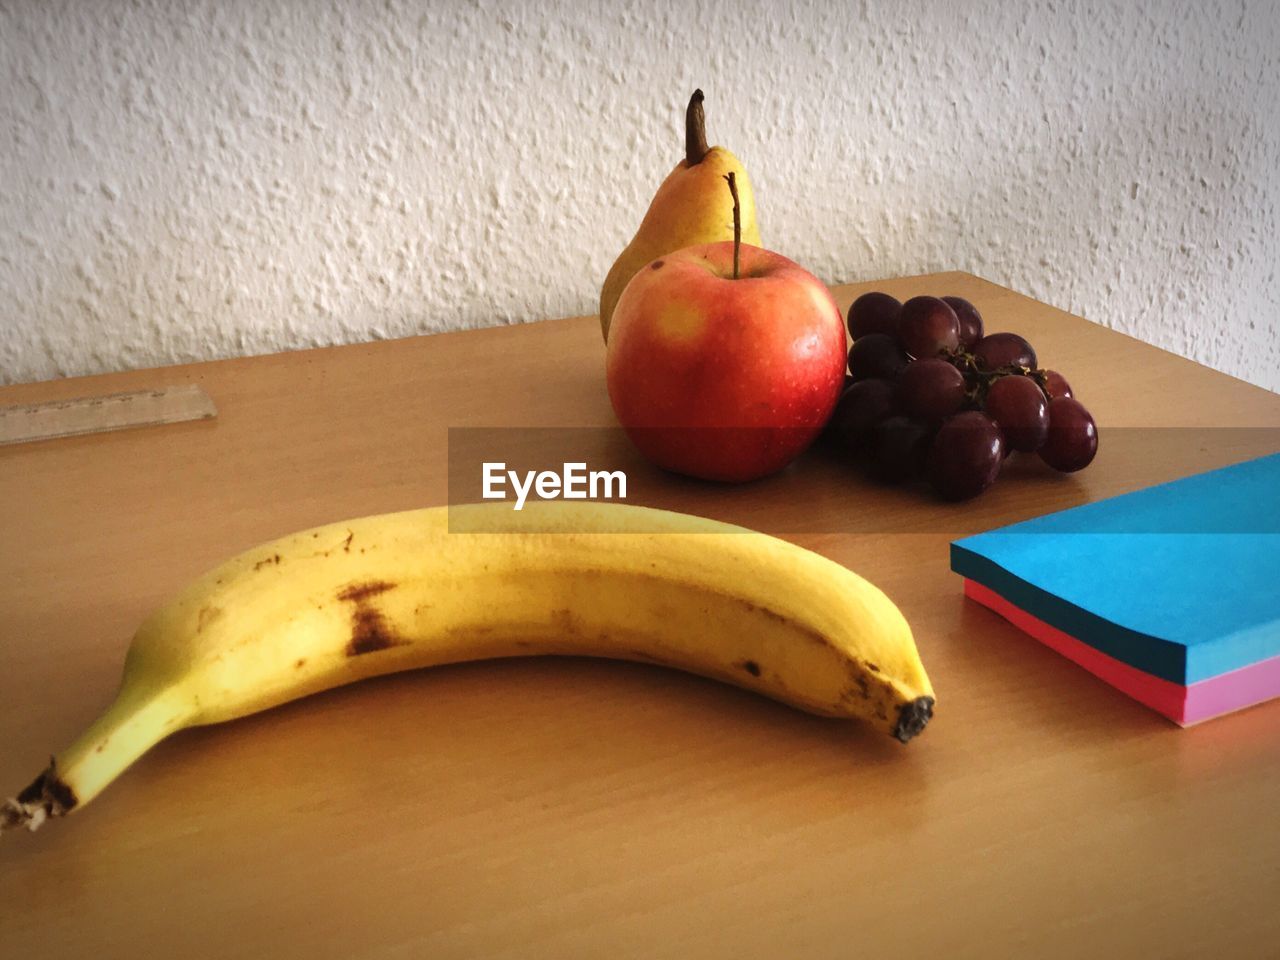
870	695
807	632
267	562
208	613
359	592
566	621
370	631
751	667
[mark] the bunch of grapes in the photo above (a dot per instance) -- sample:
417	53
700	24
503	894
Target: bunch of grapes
929	395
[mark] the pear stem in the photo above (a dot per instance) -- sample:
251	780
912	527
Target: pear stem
695	131
737	221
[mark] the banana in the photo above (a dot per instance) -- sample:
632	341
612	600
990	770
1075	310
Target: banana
328	606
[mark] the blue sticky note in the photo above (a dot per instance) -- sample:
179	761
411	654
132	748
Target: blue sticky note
1181	580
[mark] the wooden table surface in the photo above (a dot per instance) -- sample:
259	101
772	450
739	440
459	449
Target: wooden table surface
578	808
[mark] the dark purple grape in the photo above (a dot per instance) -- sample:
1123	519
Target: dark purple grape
874	313
876	355
861	407
1020	410
930	390
1073	436
828	434
1055	385
970	321
966	455
997	350
896	448
927	327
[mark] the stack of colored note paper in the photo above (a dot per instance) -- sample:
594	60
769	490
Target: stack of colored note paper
1171	594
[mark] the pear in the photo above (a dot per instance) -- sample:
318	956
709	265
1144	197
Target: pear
691	207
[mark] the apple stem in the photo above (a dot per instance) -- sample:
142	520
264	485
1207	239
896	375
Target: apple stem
695	131
737	221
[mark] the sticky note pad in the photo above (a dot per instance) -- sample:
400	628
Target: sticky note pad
1171	594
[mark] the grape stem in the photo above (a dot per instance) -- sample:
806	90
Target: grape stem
980	380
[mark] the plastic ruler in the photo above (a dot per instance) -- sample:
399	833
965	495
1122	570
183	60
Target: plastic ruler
114	411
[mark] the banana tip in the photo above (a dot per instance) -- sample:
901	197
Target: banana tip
47	796
913	717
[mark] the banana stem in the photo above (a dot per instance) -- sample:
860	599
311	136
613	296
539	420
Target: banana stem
695	131
133	724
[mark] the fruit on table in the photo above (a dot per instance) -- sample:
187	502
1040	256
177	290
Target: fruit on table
932	397
897	448
966	455
863	405
724	362
690	208
1055	384
339	603
928	327
970	321
1072	438
876	355
874	312
930	390
998	350
1020	408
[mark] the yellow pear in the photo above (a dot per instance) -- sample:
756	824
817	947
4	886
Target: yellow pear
691	207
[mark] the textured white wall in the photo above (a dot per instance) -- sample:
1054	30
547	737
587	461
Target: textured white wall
182	180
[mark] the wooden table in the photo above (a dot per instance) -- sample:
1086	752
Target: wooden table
577	808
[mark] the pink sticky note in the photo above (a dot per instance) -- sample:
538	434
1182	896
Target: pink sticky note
1184	705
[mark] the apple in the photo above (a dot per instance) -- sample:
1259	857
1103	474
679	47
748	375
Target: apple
723	378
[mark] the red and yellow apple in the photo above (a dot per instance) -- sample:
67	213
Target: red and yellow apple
723	378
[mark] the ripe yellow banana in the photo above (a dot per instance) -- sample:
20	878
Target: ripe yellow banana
328	606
